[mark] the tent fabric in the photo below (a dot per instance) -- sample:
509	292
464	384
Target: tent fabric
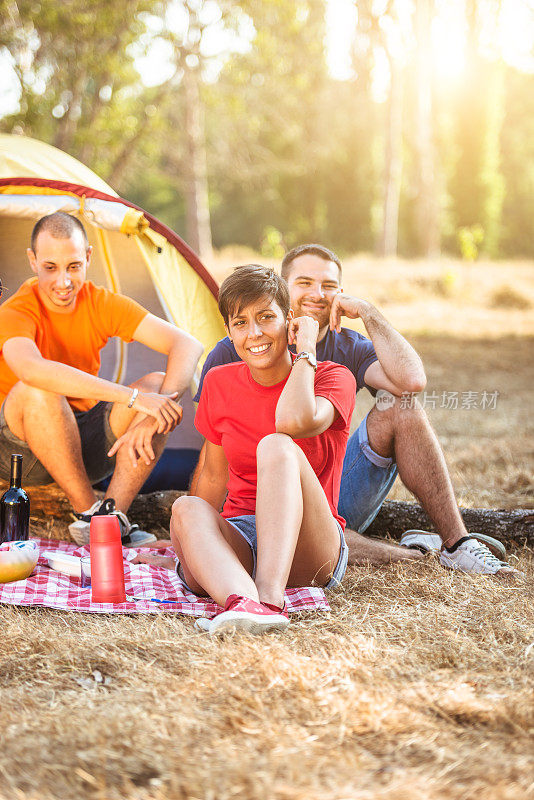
107	215
26	185
22	157
133	253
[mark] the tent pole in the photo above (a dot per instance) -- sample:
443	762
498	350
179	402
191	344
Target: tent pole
112	279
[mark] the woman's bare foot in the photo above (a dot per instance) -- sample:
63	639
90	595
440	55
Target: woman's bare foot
155	561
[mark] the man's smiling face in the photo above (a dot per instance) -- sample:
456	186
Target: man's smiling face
60	266
313	283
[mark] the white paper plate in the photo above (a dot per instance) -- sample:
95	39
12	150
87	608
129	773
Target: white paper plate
64	562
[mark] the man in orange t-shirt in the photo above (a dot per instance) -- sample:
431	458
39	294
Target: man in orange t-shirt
68	423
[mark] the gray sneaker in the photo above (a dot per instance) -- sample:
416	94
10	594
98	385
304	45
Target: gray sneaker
470	555
428	542
131	535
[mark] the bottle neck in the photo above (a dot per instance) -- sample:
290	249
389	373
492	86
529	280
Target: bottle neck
16	471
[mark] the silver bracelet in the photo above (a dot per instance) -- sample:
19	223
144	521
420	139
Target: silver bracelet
133	398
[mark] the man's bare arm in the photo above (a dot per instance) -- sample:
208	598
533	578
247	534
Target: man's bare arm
181	349
183	352
26	362
399	368
24	359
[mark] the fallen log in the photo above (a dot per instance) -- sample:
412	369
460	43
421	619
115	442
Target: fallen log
51	509
510	526
51	512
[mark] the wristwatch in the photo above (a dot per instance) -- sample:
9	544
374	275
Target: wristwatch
310	358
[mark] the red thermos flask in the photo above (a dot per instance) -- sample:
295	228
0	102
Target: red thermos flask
107	570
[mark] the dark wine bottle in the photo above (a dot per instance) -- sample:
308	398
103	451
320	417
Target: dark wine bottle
15	507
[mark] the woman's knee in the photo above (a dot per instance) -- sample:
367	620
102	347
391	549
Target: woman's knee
185	512
275	447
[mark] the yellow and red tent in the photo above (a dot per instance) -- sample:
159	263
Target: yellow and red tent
133	253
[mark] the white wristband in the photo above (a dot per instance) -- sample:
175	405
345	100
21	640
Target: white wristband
133	398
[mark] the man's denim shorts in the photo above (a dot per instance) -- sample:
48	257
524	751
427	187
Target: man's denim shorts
366	481
96	438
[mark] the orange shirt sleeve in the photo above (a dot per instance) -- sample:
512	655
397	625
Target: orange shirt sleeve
15	323
12	323
119	314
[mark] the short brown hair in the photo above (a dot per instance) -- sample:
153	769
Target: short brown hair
249	283
60	225
308	249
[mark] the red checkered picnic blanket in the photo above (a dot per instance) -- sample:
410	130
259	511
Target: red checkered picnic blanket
46	587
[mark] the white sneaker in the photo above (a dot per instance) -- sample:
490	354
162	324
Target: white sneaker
131	535
202	623
428	542
79	530
424	541
470	555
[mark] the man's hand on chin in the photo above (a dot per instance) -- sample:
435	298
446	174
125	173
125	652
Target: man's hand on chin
343	305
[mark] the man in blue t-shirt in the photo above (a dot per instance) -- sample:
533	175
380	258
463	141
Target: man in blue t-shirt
395	437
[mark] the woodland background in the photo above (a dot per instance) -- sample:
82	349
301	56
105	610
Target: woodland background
383	126
380	128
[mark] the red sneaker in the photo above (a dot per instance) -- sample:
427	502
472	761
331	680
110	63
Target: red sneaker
249	616
277	609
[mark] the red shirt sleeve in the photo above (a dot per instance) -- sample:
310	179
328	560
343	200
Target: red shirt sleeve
206	411
337	384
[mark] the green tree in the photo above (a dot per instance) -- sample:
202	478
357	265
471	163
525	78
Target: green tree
517	165
270	127
477	185
79	89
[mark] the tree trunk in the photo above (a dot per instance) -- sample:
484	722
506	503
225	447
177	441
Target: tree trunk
89	147
68	124
427	205
393	162
51	509
491	175
478	185
128	150
198	227
125	155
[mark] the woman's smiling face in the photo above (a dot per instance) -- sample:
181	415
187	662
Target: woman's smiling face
259	334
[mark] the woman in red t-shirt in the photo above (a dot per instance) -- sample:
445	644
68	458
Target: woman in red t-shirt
276	429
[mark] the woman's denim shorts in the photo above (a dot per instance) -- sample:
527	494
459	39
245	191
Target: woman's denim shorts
246	527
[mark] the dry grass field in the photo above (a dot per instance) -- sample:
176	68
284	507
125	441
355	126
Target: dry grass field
418	684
